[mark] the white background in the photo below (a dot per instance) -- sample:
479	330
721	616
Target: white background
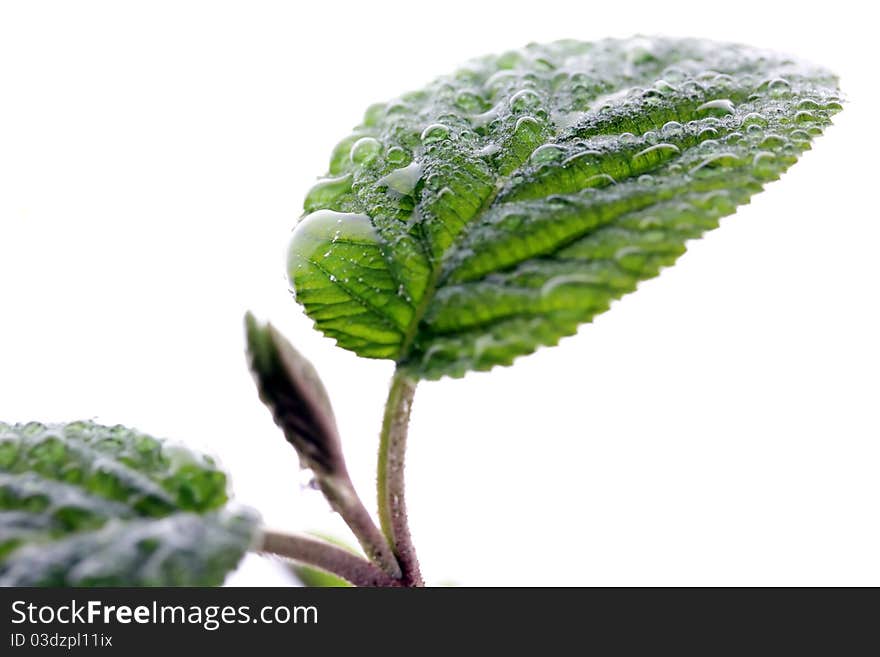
719	427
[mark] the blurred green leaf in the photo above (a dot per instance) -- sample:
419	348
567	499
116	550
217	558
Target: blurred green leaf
83	504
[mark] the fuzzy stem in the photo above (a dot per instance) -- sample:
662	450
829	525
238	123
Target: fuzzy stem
390	479
320	554
343	499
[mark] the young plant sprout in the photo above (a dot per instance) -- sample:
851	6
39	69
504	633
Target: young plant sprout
458	227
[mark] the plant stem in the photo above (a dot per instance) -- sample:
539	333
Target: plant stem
326	556
343	499
390	477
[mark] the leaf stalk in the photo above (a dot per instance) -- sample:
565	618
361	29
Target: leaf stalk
390	476
326	556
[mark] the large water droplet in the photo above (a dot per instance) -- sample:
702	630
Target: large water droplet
654	155
487	117
365	150
527	122
719	107
326	191
396	155
374	114
720	160
671	129
772	141
804	117
397	108
316	233
500	79
778	87
764	162
707	133
524	101
754	118
664	87
434	133
547	153
403	180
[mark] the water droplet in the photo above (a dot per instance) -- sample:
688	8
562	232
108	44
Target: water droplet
524	101
339	159
487	117
434	133
568	279
732	138
719	107
754	131
670	128
754	118
763	160
403	180
719	160
489	150
599	180
374	114
466	75
543	64
434	181
777	87
321	229
547	153
808	104
500	79
469	102
674	73
664	87
692	88
527	123
654	155
397	155
707	133
772	141
804	117
365	150
326	191
630	257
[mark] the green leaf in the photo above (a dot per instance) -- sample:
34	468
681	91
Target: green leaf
88	505
494	211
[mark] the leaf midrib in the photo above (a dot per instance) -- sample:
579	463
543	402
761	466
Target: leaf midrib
437	271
